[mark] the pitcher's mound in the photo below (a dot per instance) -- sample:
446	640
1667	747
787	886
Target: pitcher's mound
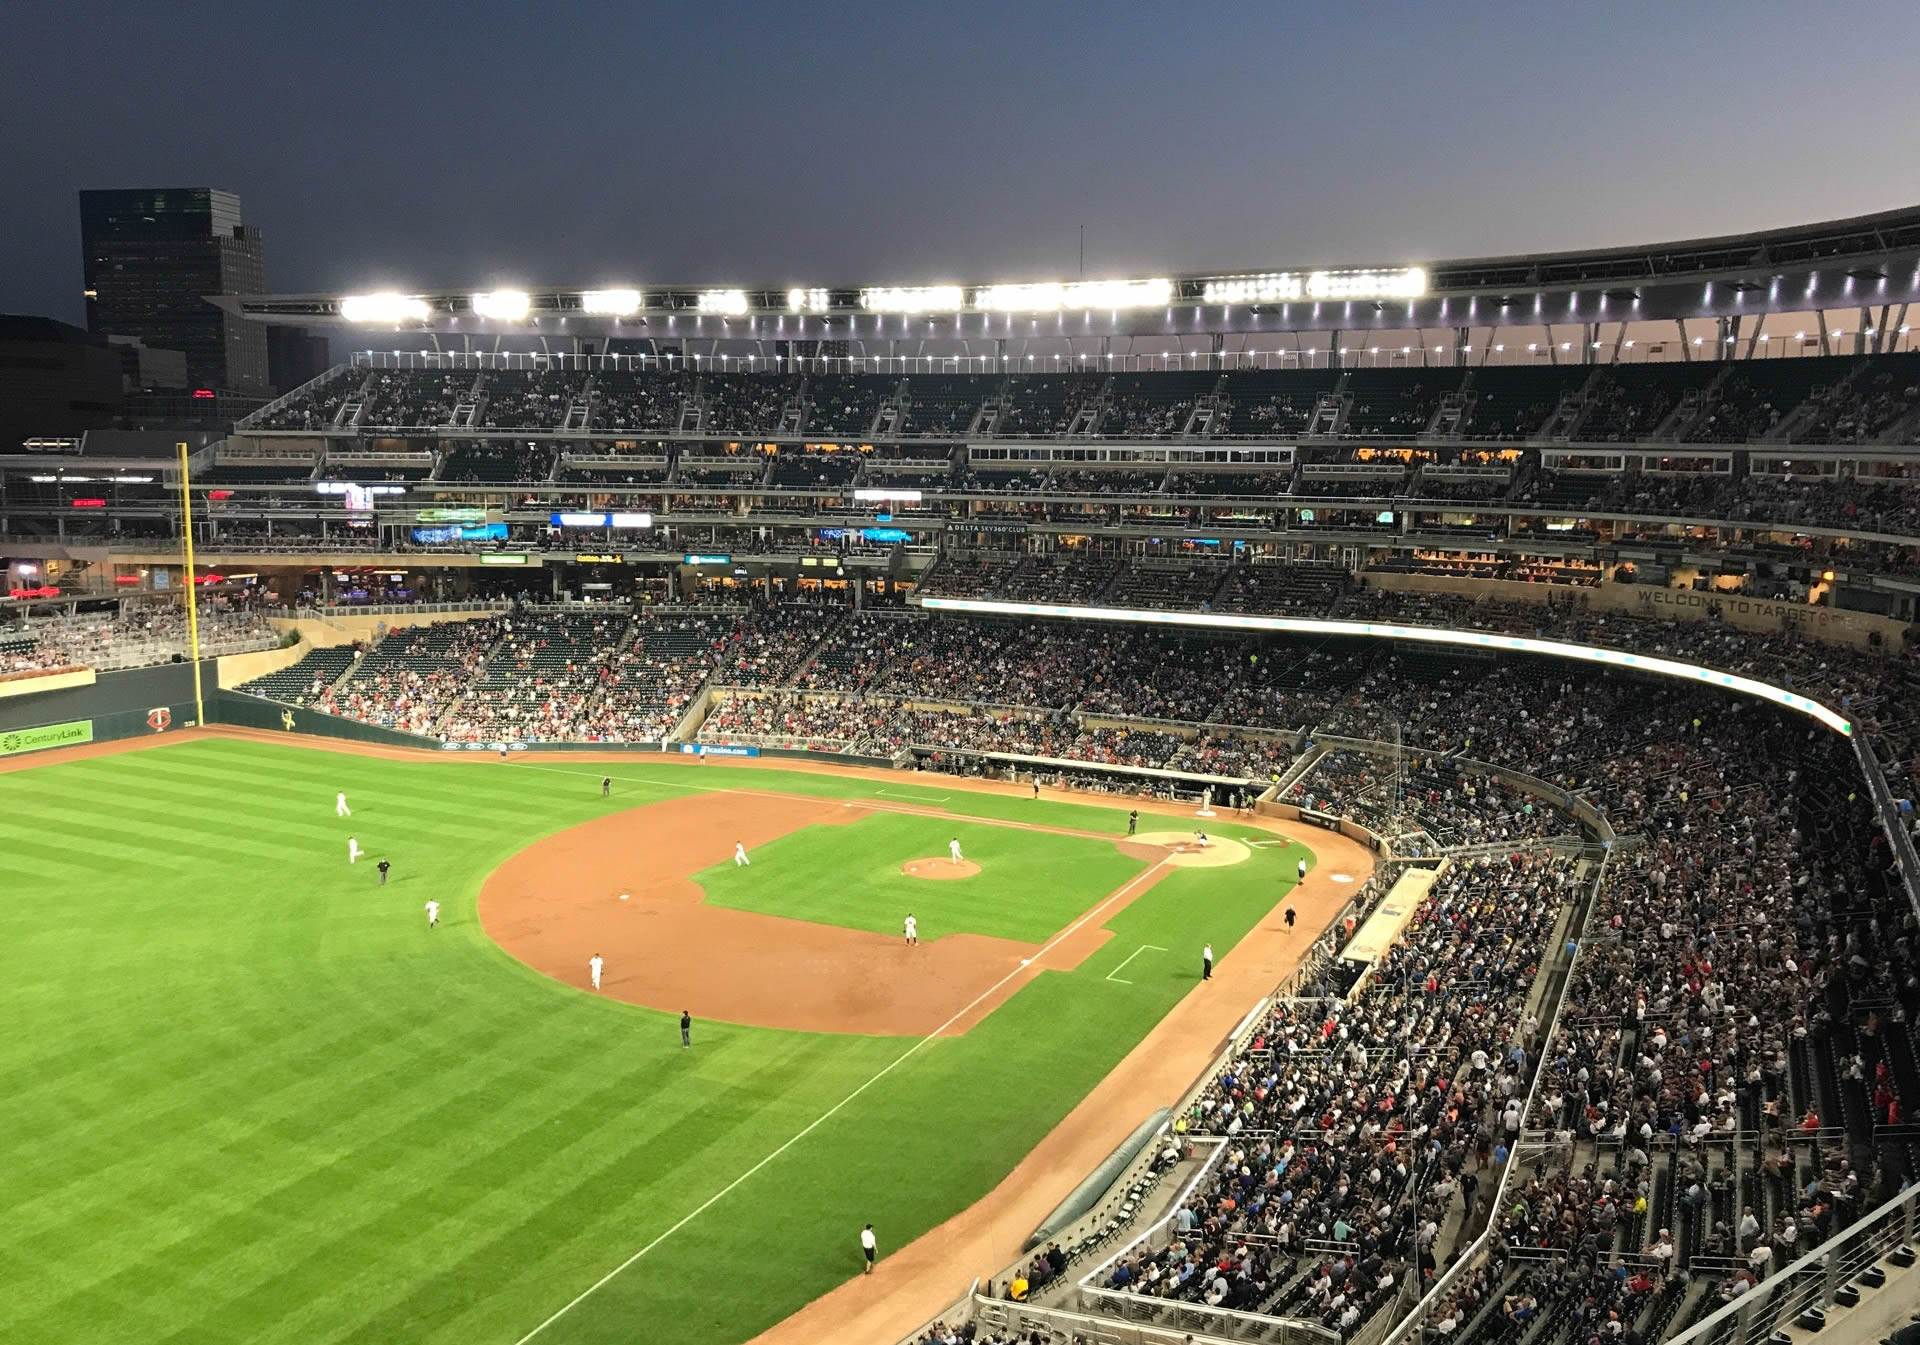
1187	853
939	868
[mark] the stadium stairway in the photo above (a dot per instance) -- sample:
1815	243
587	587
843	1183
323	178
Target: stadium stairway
623	641
492	651
1693	409
1808	411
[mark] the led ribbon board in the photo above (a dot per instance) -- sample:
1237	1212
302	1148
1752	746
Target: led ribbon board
1613	658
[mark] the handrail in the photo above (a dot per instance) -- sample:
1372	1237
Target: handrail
1887	811
1812	1279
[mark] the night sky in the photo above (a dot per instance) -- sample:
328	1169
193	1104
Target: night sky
427	143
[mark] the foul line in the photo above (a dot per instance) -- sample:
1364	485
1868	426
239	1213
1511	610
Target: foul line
911	799
834	1110
1129	957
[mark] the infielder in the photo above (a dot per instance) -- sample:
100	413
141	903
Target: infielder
1303	871
953	848
340	808
353	850
433	915
1206	963
913	931
594	964
740	859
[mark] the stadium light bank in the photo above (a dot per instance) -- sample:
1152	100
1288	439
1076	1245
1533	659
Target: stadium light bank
1612	658
1402	284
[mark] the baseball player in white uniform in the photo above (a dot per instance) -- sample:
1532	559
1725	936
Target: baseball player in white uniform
913	931
1302	875
740	855
433	914
593	965
353	849
953	848
340	808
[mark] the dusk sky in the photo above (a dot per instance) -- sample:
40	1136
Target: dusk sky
425	144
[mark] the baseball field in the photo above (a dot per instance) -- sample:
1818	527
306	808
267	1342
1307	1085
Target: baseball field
252	1097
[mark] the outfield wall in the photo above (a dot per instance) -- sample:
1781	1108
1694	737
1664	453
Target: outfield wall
257	712
139	702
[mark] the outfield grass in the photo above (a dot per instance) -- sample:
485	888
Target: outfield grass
1031	885
252	1099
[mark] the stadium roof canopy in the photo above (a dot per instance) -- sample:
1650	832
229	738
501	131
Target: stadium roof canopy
1840	264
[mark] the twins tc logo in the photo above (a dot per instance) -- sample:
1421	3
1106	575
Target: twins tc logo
286	720
159	718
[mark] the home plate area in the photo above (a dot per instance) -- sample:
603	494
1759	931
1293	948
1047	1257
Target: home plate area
939	869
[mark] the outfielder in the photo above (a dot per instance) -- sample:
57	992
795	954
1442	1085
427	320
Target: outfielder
740	859
433	915
340	808
353	849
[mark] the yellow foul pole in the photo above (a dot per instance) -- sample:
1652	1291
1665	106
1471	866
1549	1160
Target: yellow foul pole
193	593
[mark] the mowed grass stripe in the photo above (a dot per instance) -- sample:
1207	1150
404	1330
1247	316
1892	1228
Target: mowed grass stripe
647	1172
405	1119
180	794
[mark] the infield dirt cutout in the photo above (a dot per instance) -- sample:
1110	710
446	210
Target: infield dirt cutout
557	903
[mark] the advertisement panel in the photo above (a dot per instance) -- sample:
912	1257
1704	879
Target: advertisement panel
70	734
716	750
461	532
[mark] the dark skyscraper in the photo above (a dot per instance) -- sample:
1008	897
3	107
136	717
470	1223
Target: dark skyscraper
151	257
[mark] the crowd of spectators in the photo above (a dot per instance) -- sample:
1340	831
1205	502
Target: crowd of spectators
134	636
1354	1124
414	675
537	684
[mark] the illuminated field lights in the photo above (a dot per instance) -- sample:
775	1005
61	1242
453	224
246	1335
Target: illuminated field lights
611	303
383	308
914	299
1046	297
1291	286
725	303
502	305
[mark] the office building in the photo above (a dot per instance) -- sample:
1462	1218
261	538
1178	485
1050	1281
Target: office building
150	259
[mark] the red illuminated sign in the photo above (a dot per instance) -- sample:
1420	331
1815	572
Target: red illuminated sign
47	592
89	502
126	579
203	393
219	495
